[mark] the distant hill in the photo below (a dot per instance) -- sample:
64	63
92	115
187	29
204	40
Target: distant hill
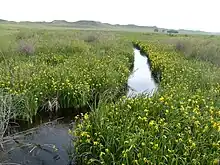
92	23
58	22
100	25
2	20
88	24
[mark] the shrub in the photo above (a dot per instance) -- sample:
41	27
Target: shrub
200	49
26	48
184	47
91	38
156	30
172	31
180	46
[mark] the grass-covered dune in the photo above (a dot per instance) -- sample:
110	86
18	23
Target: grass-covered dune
180	124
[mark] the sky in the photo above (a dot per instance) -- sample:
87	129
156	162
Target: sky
176	14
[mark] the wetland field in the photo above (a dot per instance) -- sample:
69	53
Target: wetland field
76	96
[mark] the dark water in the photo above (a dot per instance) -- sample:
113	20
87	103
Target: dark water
48	144
141	80
45	145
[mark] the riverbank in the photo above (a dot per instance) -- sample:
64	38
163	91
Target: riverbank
54	73
179	124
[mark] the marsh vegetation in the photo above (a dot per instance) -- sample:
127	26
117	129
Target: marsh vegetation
83	75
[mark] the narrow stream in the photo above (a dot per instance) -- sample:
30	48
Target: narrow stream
36	147
141	80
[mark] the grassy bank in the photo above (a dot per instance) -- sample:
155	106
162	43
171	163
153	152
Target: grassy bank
178	125
48	70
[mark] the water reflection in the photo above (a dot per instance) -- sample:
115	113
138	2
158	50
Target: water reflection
46	145
141	80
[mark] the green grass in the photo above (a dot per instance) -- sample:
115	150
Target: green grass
54	69
44	67
178	125
205	49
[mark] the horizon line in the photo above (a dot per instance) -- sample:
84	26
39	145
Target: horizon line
195	30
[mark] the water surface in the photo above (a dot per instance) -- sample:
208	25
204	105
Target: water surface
141	80
45	145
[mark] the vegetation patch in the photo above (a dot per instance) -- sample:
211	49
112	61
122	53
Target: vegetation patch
178	125
60	70
55	70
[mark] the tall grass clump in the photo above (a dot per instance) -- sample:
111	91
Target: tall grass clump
205	49
26	48
7	112
178	125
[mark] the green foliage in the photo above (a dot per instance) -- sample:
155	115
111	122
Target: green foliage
71	69
156	30
172	31
178	125
200	49
63	69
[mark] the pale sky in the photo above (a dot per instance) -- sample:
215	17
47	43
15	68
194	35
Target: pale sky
184	14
